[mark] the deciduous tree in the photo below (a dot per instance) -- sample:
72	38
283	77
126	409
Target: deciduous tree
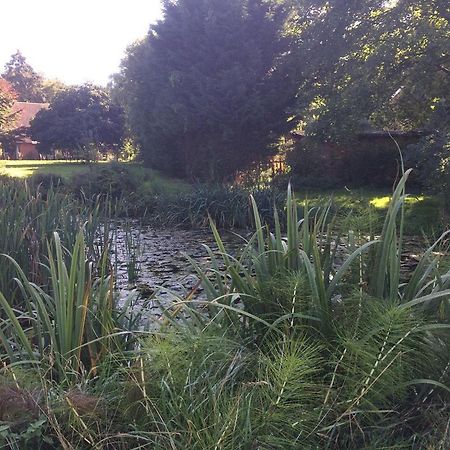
374	64
80	118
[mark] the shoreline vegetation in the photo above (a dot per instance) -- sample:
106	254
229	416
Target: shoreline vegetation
139	192
307	335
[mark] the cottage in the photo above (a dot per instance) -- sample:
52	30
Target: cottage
24	147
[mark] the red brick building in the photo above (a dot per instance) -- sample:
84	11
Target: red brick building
24	146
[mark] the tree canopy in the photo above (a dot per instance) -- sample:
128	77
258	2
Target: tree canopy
79	118
207	91
25	81
7	98
374	65
387	64
29	85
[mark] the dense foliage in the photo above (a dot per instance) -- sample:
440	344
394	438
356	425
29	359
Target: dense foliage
81	120
207	90
211	88
7	98
371	66
29	85
311	339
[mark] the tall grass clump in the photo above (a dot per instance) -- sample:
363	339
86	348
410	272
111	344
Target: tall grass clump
228	206
29	215
203	388
69	328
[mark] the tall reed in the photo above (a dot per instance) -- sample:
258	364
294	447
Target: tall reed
311	254
30	215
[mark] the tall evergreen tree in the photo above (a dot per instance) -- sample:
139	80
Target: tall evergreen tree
26	82
7	98
207	90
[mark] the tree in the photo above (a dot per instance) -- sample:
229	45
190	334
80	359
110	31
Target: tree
374	64
208	90
393	70
50	88
7	97
79	119
7	117
25	81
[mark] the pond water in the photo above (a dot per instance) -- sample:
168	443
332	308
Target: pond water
154	261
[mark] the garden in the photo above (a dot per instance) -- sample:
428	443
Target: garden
241	242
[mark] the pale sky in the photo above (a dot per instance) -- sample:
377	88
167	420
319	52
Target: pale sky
75	41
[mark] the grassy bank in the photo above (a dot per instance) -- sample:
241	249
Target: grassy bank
172	202
366	208
69	169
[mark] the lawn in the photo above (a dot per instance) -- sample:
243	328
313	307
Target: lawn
423	213
24	169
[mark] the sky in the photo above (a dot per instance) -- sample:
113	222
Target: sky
75	41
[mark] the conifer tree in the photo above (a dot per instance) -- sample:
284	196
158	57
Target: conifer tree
208	90
7	97
26	82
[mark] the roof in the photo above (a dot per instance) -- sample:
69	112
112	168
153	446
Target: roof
26	112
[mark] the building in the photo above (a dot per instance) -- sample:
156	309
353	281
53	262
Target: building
370	157
24	147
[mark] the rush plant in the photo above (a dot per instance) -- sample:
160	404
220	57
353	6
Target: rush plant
70	328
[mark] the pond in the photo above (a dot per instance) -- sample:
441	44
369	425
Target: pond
154	261
152	267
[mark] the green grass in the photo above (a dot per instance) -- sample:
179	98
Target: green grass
67	169
25	169
366	209
363	198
